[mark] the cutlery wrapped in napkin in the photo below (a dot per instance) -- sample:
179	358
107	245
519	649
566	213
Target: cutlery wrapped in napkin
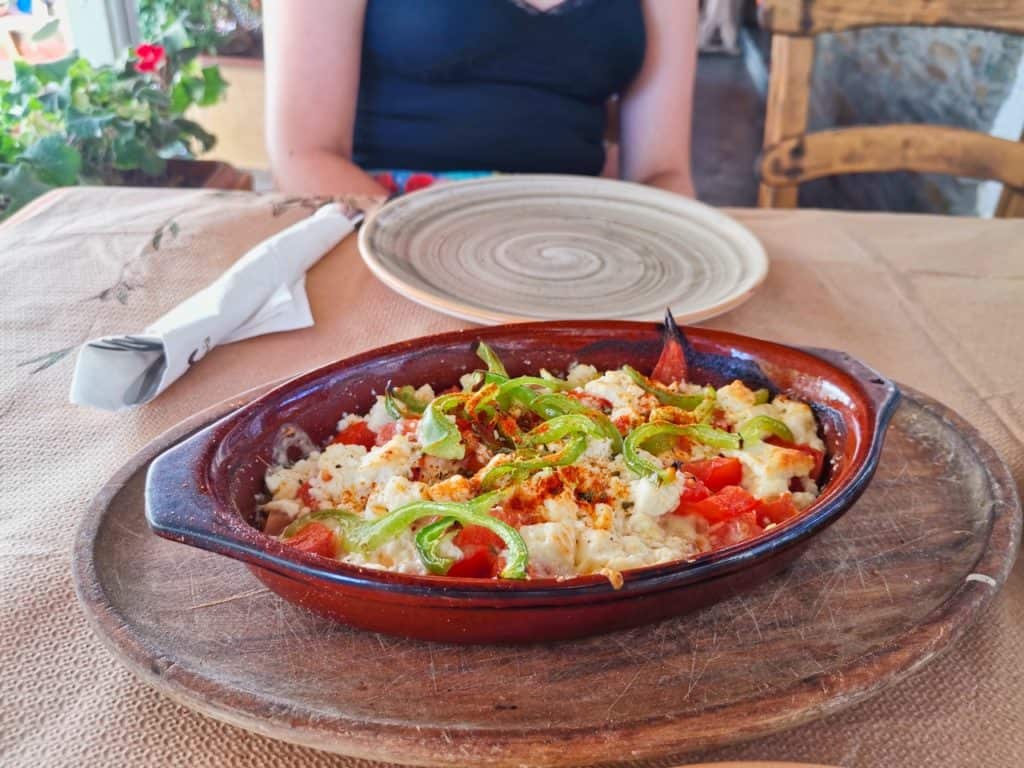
263	292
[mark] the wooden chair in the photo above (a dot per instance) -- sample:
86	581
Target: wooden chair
792	155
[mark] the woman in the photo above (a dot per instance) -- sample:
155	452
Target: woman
515	86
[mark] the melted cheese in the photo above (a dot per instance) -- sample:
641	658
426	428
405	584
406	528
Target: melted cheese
594	516
768	469
552	548
653	499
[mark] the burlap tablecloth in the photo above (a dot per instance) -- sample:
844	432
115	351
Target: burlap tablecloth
935	303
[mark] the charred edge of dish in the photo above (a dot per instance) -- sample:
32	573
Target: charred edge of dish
720	370
830	425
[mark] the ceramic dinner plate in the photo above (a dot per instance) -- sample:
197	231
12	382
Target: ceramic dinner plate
515	248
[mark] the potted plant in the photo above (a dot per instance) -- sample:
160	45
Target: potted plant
69	122
231	28
229	34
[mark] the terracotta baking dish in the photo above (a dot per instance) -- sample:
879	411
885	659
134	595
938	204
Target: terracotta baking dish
202	492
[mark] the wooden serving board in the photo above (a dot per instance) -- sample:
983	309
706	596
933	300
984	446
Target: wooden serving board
878	595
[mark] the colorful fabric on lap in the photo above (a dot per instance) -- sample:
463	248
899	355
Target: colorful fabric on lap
400	182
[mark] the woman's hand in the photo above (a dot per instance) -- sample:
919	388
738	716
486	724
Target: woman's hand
312	51
657	108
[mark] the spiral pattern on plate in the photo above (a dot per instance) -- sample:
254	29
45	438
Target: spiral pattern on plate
522	247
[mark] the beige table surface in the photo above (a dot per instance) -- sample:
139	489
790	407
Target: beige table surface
933	302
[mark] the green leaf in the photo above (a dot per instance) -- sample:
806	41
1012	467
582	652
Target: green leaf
185	55
213	86
10	148
134	110
163	132
196	87
80	69
439	436
55	162
19	186
88	126
154	96
128	152
152	164
195	130
45	32
50	100
24	72
175	38
181	98
55	71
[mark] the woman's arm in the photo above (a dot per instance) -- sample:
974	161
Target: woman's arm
312	50
657	108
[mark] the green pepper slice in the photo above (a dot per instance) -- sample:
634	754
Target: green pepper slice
429	540
402	403
572	450
481	400
560	426
758	428
490	357
335	519
666	396
553	404
359	535
702	433
523	390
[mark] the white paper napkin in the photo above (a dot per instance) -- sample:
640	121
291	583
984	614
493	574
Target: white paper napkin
263	292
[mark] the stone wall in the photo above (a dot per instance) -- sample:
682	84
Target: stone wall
966	78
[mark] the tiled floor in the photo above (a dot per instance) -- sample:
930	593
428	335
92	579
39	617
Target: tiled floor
727	130
728	122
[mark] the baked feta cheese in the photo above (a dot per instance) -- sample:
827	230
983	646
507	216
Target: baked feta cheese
592	512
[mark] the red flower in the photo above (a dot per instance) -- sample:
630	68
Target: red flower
418	181
150	57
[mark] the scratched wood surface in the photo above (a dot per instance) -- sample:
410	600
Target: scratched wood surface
878	595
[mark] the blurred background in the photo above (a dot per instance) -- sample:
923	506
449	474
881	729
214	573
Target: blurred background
213	74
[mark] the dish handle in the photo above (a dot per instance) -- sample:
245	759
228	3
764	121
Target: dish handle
883	393
178	505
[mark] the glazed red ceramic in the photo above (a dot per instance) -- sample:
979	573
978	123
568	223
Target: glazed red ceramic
203	491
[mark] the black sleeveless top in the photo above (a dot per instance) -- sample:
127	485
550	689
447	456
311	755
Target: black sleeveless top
492	85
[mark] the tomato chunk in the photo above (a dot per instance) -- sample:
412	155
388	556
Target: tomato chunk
315	538
477	535
392	428
693	491
730	502
818	456
776	510
734	531
716	473
306	497
357	433
477	562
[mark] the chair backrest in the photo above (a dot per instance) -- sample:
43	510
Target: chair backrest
792	155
